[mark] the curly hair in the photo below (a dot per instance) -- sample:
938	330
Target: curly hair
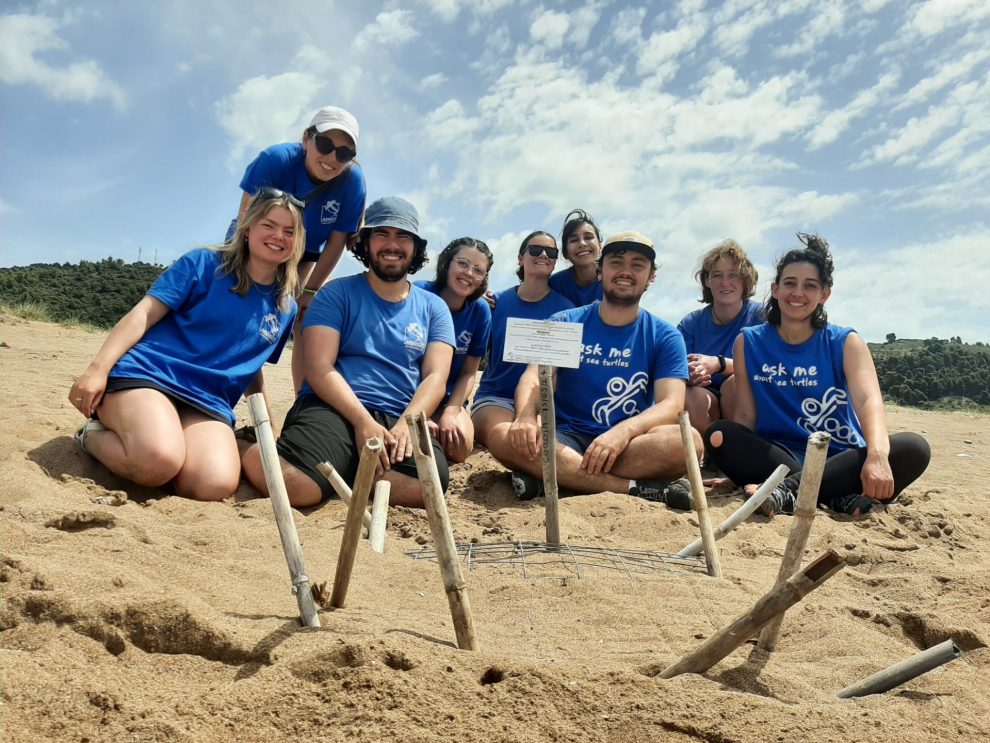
815	252
733	252
522	248
448	254
572	222
360	250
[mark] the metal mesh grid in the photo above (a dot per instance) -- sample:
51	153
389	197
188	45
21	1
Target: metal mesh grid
542	560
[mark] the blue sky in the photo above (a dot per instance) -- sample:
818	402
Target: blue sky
127	126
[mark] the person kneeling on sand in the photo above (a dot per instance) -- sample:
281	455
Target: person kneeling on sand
162	387
377	348
616	413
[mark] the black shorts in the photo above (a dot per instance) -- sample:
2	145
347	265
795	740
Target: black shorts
314	432
118	384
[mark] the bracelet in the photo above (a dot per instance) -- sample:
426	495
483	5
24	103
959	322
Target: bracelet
310	292
721	363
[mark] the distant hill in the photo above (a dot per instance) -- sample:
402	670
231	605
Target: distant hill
934	373
97	293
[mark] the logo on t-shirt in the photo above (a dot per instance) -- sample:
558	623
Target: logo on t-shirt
329	212
463	341
827	415
415	337
621	397
270	328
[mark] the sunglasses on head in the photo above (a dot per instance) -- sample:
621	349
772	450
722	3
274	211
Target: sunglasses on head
537	250
277	193
325	145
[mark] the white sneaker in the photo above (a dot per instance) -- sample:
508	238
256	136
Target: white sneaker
85	429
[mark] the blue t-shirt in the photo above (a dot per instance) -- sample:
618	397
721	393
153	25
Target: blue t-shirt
472	331
213	343
563	282
338	208
619	365
703	335
382	344
802	388
501	377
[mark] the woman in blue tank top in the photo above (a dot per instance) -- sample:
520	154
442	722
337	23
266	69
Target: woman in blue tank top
796	375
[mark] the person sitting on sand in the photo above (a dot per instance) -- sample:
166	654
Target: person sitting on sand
321	172
797	374
377	348
461	281
533	299
617	412
162	387
581	244
728	280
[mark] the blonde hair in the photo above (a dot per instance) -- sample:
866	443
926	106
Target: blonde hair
235	253
732	251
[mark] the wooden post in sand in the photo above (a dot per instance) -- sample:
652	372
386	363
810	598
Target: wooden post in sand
283	511
770	605
548	418
903	671
379	516
340	488
804	516
698	498
352	527
443	535
743	513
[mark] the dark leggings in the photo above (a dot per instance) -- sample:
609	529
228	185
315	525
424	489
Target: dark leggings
746	457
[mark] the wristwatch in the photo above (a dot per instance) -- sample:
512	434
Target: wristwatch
721	363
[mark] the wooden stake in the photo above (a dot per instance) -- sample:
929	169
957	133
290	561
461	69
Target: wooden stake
352	527
443	536
283	511
548	418
379	515
698	498
804	516
744	512
770	605
340	487
903	671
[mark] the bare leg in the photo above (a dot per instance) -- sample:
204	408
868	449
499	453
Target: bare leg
457	453
728	398
301	488
406	491
487	420
212	468
144	441
702	406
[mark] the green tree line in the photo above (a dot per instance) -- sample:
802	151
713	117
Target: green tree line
933	372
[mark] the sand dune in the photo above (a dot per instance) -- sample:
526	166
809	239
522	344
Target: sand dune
133	615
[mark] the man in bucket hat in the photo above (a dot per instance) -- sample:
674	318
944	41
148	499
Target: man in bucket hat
377	348
617	412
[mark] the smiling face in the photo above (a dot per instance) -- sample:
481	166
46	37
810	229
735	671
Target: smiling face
799	291
390	252
324	167
270	239
467	272
626	277
726	284
540	266
582	246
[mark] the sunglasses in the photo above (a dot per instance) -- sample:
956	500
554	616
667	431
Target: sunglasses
477	271
324	145
537	250
276	193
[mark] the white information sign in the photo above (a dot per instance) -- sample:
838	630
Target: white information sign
543	342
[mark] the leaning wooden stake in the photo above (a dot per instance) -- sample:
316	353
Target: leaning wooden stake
548	417
352	527
772	604
698	498
443	536
379	516
283	511
340	487
804	516
903	671
744	512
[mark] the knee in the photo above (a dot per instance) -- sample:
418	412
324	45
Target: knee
156	465
206	489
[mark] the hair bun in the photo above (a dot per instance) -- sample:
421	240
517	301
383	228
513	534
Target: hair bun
814	242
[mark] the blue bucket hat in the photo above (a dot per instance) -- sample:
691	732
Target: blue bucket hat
393	211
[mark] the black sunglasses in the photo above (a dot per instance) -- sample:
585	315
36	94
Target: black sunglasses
276	193
537	250
324	145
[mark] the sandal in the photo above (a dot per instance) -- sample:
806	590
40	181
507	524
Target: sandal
85	430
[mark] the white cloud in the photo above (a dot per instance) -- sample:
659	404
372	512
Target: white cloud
935	16
264	110
446	10
26	38
828	20
947	73
432	81
550	29
389	29
836	122
664	47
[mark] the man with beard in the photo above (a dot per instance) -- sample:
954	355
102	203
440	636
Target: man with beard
617	412
376	348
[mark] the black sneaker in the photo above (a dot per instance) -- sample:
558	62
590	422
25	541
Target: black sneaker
676	494
526	486
783	498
